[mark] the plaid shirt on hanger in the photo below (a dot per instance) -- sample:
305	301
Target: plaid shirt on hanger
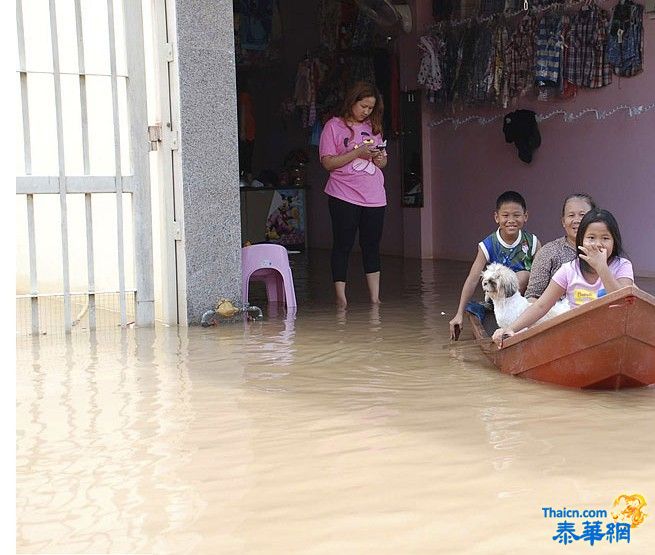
520	57
549	50
586	63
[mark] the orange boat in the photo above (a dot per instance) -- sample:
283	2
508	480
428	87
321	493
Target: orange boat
608	343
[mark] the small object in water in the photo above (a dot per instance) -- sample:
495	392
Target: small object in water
225	309
458	330
253	310
208	319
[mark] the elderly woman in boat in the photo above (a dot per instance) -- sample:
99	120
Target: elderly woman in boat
552	255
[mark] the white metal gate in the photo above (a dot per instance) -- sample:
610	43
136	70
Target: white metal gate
77	68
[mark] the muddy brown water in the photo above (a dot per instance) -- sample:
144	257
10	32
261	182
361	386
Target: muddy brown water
326	431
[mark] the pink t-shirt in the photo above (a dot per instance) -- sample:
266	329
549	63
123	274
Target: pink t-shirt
578	290
359	182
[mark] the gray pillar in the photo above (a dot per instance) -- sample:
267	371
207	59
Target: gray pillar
209	153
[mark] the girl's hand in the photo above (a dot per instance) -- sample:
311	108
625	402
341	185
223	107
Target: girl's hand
365	151
380	158
500	335
594	255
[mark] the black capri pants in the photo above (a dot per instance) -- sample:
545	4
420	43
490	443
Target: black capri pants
347	219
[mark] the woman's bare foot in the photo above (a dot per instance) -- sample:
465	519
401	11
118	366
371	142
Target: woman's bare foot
340	293
373	282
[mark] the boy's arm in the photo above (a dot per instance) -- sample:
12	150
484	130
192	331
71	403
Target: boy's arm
468	289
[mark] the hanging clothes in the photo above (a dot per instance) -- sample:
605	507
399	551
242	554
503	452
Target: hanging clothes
255	21
429	74
587	64
625	40
519	57
567	89
497	66
304	96
549	45
465	63
481	79
450	67
302	90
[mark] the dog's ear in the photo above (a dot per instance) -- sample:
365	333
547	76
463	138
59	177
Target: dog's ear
510	285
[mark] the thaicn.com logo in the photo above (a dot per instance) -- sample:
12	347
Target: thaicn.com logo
594	526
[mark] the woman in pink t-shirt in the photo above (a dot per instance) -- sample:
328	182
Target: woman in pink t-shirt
352	150
599	269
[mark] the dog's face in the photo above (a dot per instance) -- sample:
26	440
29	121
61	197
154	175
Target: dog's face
499	282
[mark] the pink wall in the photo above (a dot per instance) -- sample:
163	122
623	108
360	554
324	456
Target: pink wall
612	159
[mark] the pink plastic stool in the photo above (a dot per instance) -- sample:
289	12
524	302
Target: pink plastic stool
269	263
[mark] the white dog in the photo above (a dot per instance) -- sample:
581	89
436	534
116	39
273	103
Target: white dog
501	285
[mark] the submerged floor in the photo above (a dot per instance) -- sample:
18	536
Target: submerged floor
329	432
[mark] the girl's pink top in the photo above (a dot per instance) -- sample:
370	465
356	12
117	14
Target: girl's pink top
359	182
578	290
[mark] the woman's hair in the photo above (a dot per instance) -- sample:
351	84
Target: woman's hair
582	196
357	92
603	216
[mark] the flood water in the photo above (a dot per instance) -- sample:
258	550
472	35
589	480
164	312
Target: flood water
321	432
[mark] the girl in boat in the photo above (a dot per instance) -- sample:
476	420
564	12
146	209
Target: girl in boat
599	268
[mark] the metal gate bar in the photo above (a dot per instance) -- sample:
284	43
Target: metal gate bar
86	165
117	160
33	281
27	149
62	166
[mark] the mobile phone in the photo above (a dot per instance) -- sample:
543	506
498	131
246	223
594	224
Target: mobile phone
382	145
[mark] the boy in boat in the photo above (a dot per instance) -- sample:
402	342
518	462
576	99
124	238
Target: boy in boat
510	245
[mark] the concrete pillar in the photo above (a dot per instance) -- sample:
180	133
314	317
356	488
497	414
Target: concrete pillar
211	222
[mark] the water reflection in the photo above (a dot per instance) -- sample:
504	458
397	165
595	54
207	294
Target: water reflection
316	430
